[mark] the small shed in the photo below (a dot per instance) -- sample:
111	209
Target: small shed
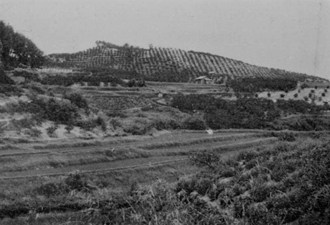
202	80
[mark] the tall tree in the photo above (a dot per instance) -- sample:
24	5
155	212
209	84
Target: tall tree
16	48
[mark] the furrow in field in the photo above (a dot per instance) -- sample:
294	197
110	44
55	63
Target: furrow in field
156	143
98	167
166	156
209	139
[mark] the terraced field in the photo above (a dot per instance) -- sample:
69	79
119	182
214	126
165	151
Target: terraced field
37	160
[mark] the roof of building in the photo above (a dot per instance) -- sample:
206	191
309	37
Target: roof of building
202	78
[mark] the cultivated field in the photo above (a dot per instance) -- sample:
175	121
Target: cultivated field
117	163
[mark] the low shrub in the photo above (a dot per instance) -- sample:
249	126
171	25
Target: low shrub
4	79
10	90
138	129
51	130
69	128
285	136
87	124
35	88
34	132
194	123
115	123
77	99
101	122
246	155
205	159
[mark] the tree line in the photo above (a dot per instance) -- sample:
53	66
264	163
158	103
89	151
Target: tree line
259	84
250	113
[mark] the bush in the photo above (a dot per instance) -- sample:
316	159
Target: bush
194	123
9	90
283	136
282	95
323	94
295	95
77	99
35	87
101	122
76	181
115	123
205	159
33	132
69	128
51	130
87	124
137	129
4	79
269	95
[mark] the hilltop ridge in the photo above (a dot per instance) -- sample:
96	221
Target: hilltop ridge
155	61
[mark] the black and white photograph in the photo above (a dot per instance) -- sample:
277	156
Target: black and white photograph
164	112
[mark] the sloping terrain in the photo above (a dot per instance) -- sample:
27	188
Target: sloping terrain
183	65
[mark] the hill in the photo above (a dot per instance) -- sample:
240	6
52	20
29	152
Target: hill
165	64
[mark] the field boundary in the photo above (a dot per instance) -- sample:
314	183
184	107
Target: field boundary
157	164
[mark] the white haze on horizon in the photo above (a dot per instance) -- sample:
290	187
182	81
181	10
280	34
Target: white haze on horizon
285	34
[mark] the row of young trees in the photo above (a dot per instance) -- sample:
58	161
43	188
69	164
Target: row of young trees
18	49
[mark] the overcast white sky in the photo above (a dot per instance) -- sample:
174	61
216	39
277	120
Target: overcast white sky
287	34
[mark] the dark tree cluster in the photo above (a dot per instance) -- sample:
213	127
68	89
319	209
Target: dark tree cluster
251	113
18	49
258	84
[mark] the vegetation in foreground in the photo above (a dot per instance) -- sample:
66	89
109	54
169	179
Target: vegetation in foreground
282	184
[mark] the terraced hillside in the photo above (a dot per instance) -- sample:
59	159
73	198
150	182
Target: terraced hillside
156	61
